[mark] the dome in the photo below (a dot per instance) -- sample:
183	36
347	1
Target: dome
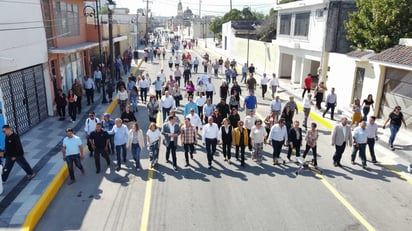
188	14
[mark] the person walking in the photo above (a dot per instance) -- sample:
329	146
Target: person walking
276	106
78	91
249	122
360	137
341	137
89	127
97	75
367	104
152	108
395	120
121	136
274	84
153	140
226	137
311	143
372	129
295	139
258	136
307	104
13	152
71	97
245	70
108	124
356	115
72	153
210	89
240	140
166	104
279	136
188	138
250	102
307	84
210	138
251	83
89	87
331	101
136	143
122	98
144	85
264	84
319	91
292	105
61	103
171	132
100	140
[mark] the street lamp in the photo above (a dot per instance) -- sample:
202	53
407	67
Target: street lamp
248	39
90	11
110	5
204	32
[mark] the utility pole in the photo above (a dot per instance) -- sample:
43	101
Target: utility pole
147	21
200	8
230	5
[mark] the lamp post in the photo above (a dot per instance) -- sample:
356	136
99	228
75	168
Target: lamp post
110	5
95	14
248	40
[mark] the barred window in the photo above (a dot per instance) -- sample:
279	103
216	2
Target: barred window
67	19
285	24
302	24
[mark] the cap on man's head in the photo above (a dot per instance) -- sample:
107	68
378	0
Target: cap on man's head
106	115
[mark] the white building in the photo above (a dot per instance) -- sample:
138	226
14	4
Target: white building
24	80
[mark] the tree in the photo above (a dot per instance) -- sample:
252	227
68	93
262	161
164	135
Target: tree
267	31
233	15
379	24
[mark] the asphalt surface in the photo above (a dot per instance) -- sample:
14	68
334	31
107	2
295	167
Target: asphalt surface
229	197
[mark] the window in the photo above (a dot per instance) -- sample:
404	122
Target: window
302	24
285	24
67	19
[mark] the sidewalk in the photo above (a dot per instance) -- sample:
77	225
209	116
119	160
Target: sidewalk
396	161
42	146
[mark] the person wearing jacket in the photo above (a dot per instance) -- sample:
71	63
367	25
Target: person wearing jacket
295	139
240	140
135	141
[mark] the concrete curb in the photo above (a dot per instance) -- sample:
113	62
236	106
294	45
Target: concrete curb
50	192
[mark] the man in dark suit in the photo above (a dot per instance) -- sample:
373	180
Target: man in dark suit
295	139
341	136
171	132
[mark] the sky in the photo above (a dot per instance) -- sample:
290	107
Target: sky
208	7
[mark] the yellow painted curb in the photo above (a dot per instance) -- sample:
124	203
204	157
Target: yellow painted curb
48	195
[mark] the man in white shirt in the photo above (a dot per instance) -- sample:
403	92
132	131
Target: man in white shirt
166	104
372	129
89	87
200	102
121	137
210	138
144	85
162	76
278	135
194	119
89	127
274	84
264	84
210	90
97	75
331	101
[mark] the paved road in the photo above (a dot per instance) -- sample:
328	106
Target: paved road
230	197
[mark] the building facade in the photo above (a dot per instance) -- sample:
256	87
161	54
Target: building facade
24	80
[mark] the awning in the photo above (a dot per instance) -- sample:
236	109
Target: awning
83	46
73	48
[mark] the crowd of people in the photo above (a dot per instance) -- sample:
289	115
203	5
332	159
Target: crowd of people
206	124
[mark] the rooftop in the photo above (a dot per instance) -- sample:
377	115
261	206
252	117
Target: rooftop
398	54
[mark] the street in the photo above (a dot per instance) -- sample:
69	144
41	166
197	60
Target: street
230	197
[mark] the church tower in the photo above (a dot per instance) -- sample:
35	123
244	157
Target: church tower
179	8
